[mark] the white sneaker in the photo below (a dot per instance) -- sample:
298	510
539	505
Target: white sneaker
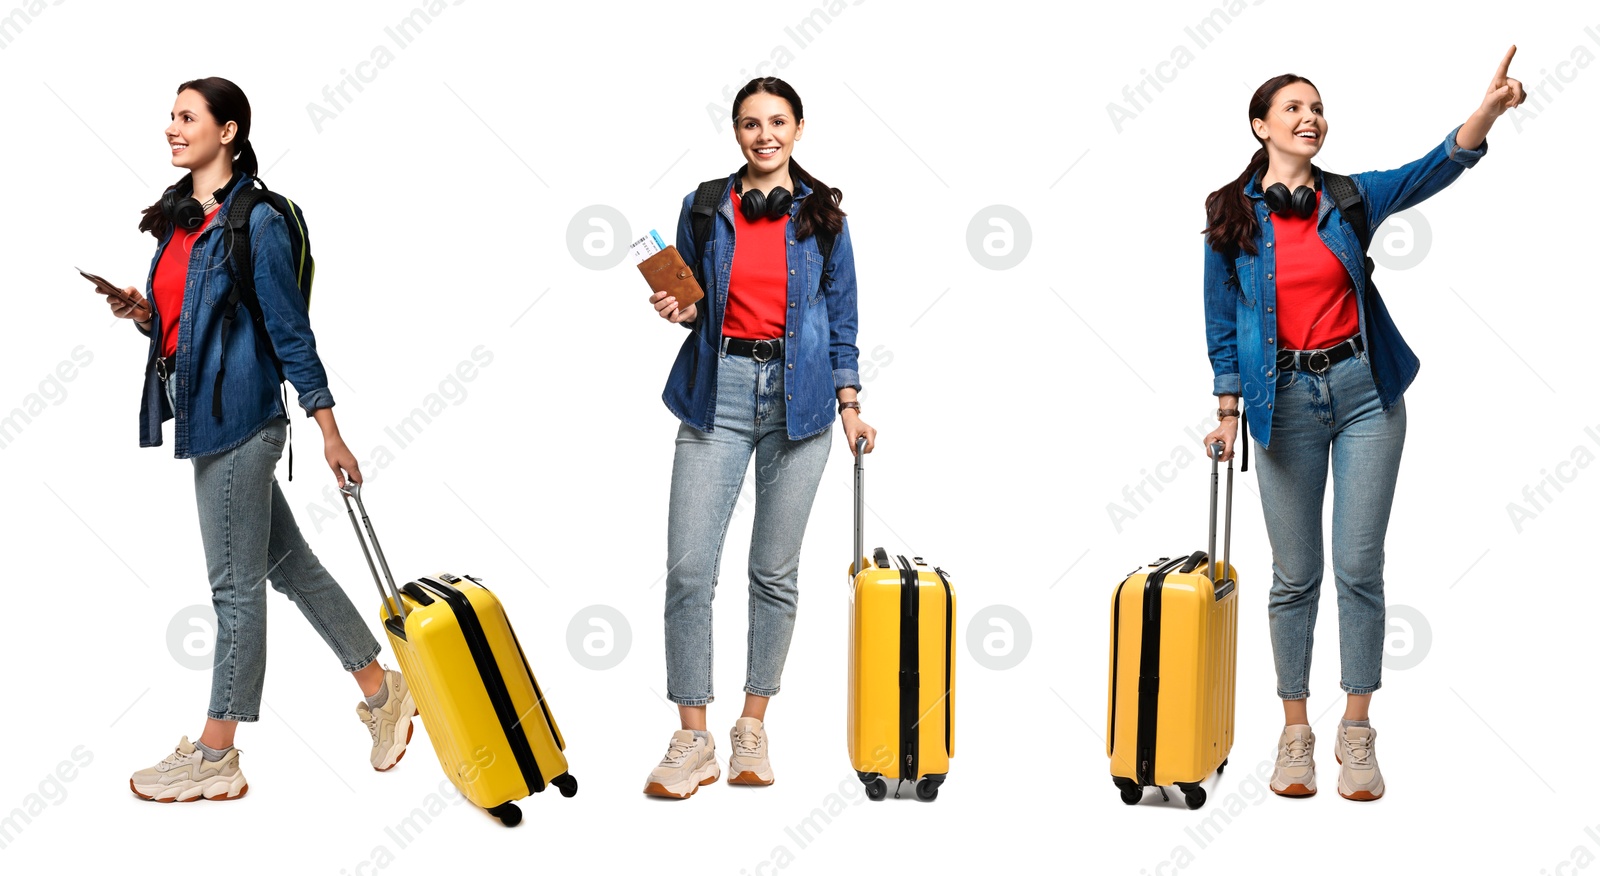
748	764
185	776
691	761
384	722
1295	774
1359	778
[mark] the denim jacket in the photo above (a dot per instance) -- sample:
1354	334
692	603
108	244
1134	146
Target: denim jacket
1241	326
250	387
819	324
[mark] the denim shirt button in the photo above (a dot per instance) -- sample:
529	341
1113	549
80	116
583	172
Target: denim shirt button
791	304
791	271
791	334
1269	276
791	366
789	398
1271	340
1269	244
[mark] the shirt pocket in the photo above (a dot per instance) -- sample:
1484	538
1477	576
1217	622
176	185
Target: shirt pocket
1245	279
813	277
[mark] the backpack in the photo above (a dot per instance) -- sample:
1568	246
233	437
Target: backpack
243	291
707	199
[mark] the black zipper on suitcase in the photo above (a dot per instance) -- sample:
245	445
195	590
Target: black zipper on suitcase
910	683
493	683
1150	675
949	645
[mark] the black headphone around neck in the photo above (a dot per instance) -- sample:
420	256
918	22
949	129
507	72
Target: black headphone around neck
1302	203
183	209
755	205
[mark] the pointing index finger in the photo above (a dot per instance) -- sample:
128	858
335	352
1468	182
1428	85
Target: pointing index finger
1505	65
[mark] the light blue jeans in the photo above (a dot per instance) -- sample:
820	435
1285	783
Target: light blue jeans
249	535
1337	415
708	470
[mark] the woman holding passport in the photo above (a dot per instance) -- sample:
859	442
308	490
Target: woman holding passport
230	422
769	362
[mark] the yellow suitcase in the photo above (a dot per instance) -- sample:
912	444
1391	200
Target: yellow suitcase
1174	637
490	725
901	684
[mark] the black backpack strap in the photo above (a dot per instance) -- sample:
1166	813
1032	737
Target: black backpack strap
707	198
243	289
1354	210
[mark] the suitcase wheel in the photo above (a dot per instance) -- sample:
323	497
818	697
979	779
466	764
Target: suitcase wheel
1132	795
566	784
508	813
1194	796
928	788
876	789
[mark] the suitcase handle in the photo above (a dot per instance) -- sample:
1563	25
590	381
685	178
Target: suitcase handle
352	490
1215	452
855	564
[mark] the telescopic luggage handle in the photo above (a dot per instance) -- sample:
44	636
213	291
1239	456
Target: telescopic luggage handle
1215	452
855	564
352	490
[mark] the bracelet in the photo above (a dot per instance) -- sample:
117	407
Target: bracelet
1224	413
850	406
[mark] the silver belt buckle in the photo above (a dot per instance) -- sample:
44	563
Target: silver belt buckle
1311	361
757	348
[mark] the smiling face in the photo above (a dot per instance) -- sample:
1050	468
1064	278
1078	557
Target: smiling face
767	131
194	135
1294	124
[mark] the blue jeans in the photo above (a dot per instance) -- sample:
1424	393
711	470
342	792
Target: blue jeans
249	535
708	471
1336	414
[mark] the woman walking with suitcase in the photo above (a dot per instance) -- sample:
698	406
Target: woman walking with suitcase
1294	329
216	371
771	350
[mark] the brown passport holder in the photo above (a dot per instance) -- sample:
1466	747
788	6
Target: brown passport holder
666	271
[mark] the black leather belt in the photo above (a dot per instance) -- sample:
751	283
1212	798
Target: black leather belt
165	366
1319	361
761	351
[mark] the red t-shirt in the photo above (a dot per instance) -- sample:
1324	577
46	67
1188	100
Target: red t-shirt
758	285
1316	300
172	272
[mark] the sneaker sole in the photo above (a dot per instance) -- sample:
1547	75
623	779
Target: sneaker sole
749	777
1296	790
1358	796
200	795
656	789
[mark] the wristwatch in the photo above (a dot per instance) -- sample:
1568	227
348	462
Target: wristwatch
1224	413
850	406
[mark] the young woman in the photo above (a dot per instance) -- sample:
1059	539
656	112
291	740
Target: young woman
771	350
246	527
1321	369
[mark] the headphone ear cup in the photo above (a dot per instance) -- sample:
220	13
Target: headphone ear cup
1305	201
753	205
1277	197
778	202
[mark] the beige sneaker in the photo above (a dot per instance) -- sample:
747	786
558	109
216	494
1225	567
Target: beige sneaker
1295	774
691	761
748	764
1359	778
384	723
185	776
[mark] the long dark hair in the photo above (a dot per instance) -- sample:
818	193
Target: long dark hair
1230	220
226	103
821	210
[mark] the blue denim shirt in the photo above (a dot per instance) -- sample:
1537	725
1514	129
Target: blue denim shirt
1241	325
819	324
250	387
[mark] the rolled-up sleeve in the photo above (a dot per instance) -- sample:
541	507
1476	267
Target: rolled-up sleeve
839	292
1222	314
1390	191
283	309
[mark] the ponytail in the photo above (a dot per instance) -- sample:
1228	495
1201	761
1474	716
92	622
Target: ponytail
820	212
245	162
1231	225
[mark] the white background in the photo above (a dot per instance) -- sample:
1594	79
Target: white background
1013	407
